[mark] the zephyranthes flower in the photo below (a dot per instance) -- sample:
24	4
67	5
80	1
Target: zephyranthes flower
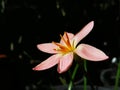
63	52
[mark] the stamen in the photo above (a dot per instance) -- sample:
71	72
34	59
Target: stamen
73	44
62	48
68	41
63	38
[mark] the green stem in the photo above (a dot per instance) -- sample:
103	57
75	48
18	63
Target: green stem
85	79
73	76
117	77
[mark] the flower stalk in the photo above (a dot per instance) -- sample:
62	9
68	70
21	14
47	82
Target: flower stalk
117	77
84	78
73	76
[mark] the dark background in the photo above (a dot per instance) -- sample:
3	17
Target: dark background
26	23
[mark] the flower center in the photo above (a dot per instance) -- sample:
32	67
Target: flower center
65	46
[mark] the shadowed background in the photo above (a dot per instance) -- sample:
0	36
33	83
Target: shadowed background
26	23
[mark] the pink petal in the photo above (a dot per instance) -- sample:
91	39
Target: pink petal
65	62
48	63
47	47
90	53
84	32
70	36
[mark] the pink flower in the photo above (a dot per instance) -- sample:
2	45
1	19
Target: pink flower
63	52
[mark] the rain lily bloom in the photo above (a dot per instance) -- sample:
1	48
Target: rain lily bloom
63	52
